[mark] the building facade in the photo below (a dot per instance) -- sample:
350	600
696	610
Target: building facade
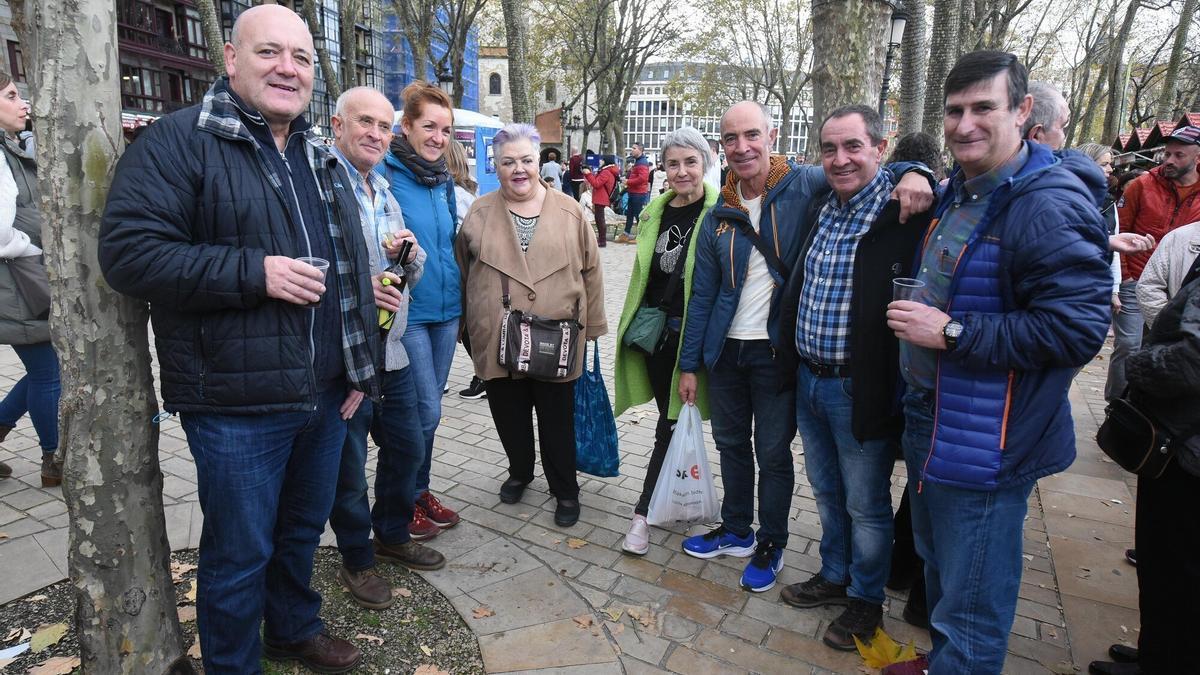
494	97
12	59
399	70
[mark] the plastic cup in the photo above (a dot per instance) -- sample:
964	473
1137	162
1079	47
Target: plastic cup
904	288
322	265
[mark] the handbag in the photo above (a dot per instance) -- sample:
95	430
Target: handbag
536	347
33	285
684	492
647	330
1133	440
595	426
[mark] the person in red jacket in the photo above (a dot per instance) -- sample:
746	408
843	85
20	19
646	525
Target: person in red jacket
602	182
1165	198
637	186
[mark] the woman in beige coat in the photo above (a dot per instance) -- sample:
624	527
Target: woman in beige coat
539	239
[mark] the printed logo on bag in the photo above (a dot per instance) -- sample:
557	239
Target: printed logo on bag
547	348
693	472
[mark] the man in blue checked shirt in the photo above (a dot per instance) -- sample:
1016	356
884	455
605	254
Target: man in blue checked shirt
362	128
847	401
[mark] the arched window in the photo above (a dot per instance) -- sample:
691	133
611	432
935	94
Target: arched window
494	84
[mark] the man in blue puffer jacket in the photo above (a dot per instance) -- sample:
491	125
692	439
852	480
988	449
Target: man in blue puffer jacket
1016	300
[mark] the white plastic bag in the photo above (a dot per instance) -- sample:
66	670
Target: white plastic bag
684	493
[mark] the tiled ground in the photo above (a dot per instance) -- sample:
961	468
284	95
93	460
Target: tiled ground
667	611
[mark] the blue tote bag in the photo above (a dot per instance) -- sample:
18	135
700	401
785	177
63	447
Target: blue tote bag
595	426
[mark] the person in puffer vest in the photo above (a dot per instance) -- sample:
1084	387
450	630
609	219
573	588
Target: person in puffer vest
1015	300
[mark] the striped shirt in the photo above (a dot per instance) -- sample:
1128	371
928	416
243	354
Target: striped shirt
823	318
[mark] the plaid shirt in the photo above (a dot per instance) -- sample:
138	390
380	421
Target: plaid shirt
823	319
219	114
372	210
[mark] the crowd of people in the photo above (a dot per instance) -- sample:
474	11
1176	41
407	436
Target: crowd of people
305	296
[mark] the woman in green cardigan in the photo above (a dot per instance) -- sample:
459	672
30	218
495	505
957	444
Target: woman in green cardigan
665	242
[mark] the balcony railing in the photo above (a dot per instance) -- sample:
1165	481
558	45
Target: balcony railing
161	43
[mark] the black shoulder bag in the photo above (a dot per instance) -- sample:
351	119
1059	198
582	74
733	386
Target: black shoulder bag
543	349
647	331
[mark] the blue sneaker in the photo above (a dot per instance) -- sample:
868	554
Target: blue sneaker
763	568
719	542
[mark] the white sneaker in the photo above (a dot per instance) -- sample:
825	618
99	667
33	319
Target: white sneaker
637	541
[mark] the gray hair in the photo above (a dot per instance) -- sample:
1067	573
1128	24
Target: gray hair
687	138
1095	150
339	108
517	131
1048	104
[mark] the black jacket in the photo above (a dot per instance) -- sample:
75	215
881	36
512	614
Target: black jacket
886	251
192	212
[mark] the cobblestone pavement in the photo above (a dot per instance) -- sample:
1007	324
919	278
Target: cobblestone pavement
666	611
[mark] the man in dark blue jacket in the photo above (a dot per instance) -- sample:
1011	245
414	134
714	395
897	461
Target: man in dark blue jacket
264	356
1015	301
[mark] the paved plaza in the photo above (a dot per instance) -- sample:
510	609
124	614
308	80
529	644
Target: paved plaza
568	601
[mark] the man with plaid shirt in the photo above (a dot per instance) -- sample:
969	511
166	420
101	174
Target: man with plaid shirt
264	356
847	410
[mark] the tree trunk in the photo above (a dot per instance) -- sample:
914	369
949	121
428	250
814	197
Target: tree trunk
1114	71
332	86
849	45
213	36
516	30
1166	108
943	51
913	64
118	552
349	15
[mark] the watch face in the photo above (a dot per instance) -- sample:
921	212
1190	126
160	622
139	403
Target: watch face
953	329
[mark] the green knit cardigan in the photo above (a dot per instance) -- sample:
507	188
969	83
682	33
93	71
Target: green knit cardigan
631	383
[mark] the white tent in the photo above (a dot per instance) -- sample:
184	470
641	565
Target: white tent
465	118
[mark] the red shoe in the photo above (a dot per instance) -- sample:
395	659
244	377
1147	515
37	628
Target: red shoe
918	666
435	511
422	528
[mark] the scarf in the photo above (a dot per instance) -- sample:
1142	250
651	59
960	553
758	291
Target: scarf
429	174
779	169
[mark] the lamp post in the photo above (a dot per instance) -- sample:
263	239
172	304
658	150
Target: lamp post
446	81
895	36
564	116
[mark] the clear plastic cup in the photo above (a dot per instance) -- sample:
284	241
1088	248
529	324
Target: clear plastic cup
322	265
904	288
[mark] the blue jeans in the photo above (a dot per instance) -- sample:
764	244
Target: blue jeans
744	393
851	482
971	543
37	393
430	348
397	431
1128	326
266	485
634	209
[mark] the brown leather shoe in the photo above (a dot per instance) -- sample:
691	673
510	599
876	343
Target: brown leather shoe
367	588
51	471
411	554
321	653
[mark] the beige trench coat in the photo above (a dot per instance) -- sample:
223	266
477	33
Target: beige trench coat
560	269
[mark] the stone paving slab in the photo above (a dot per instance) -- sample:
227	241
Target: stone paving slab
666	612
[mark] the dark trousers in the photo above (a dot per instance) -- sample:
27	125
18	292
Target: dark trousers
1168	570
634	209
660	368
601	228
512	403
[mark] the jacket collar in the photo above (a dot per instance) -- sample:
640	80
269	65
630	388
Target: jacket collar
500	249
225	114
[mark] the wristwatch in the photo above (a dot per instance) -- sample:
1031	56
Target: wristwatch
952	331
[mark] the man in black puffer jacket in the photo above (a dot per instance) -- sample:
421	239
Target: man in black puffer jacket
264	356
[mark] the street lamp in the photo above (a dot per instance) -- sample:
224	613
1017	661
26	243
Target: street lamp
895	37
446	81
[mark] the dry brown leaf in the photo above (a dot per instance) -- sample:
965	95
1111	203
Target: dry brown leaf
187	613
401	593
35	598
3	535
194	651
369	638
426	651
575	542
482	612
583	621
59	665
190	596
18	634
46	637
426	669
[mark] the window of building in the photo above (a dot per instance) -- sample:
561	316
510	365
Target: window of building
494	84
16	62
141	89
191	33
551	92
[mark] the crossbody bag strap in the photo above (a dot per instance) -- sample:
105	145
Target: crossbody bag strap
767	252
504	297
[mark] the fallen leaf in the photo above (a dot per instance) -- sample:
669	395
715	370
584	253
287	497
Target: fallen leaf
178	569
59	665
45	637
374	639
194	651
614	613
3	535
35	598
575	542
883	651
426	651
426	669
190	596
14	634
482	612
583	621
187	613
401	593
